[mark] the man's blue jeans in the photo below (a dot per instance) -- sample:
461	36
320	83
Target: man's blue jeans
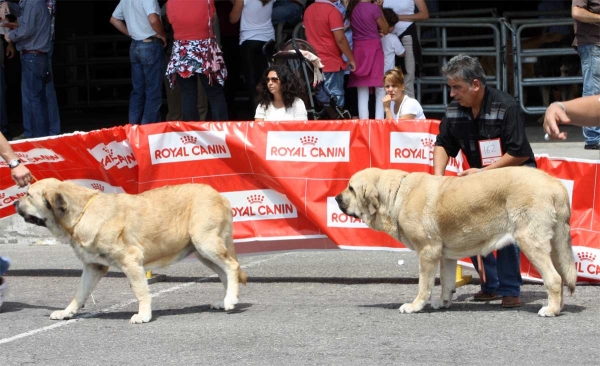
53	114
146	78
503	274
3	113
333	85
590	69
34	67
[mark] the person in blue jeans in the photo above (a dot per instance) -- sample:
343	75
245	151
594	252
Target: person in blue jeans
480	117
22	176
32	38
288	11
587	40
10	53
140	20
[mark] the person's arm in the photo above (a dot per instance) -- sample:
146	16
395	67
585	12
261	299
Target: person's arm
120	25
260	113
583	112
236	12
27	23
584	15
20	174
300	113
387	107
342	43
423	13
10	50
440	160
157	26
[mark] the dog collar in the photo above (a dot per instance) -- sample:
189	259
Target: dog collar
393	201
89	202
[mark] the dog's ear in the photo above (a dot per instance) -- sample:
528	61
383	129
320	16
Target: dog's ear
372	199
56	202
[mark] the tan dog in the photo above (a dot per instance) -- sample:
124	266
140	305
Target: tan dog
137	233
446	218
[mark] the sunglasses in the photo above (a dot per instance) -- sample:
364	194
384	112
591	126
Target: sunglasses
272	79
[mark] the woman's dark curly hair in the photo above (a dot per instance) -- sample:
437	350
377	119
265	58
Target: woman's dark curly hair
291	87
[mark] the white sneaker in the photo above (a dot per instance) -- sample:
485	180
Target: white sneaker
2	291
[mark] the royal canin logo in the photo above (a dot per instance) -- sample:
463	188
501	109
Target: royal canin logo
585	262
35	156
255	198
10	195
336	218
188	146
116	154
315	146
187	139
97	186
309	140
417	148
260	205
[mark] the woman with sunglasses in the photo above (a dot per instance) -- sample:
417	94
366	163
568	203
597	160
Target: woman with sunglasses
279	96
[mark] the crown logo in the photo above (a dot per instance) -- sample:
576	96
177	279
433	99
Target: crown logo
427	142
187	139
309	140
585	256
255	198
108	151
98	187
2	195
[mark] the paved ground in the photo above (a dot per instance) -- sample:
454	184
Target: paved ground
299	308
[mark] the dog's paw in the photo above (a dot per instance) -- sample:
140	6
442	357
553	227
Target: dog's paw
217	305
229	303
439	303
545	311
407	309
61	315
140	318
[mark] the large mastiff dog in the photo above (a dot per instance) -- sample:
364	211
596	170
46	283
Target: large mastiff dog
446	218
137	233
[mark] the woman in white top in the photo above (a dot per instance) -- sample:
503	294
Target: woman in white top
396	104
280	96
256	29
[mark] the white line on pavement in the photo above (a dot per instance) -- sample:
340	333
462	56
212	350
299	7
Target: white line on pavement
126	303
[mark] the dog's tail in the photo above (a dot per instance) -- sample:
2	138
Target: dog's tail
562	251
242	276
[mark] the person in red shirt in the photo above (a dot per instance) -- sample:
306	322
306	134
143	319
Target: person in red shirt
324	26
196	54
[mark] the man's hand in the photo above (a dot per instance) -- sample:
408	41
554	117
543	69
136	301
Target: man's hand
554	116
468	172
7	39
21	175
11	25
164	39
10	50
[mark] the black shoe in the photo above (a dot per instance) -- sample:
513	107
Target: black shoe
592	147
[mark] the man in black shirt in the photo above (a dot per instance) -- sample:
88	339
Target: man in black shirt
487	125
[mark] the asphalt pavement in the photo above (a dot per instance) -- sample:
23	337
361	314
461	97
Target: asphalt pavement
334	307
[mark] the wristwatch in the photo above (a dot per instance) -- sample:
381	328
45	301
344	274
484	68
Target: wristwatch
14	163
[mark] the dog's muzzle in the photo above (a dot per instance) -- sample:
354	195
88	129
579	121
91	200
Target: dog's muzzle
343	206
28	218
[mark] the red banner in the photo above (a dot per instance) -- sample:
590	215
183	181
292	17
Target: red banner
281	178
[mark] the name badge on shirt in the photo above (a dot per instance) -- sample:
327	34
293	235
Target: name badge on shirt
490	150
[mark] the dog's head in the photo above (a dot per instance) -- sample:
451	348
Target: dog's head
45	205
361	198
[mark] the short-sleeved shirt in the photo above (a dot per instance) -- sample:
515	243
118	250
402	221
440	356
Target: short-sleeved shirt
135	14
408	106
587	33
190	18
297	112
392	47
320	20
500	117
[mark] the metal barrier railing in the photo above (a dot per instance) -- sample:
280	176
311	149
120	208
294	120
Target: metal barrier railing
521	55
443	51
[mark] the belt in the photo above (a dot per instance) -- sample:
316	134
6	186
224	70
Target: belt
36	52
150	39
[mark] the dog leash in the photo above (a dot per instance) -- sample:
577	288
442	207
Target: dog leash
89	202
394	200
